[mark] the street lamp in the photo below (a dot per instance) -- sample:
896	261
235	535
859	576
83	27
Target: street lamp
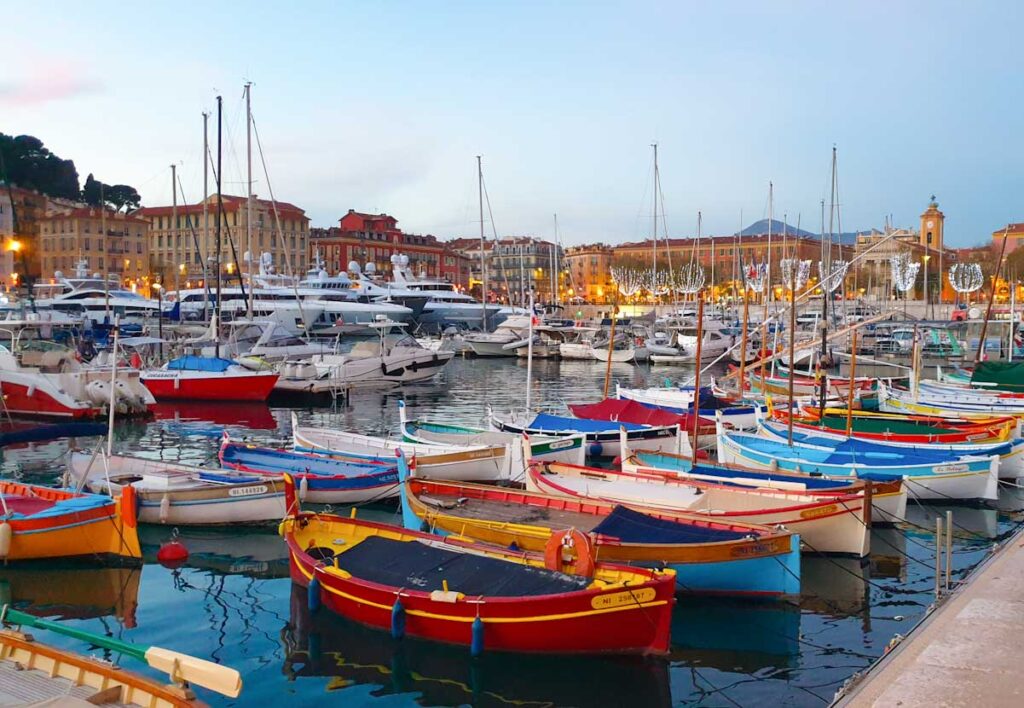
160	315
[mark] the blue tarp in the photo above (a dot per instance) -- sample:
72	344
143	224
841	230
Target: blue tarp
199	363
633	527
543	421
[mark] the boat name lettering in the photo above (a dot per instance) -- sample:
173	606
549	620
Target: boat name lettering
561	444
819	511
618	599
753	549
951	469
247	491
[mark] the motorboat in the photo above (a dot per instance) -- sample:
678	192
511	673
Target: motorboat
446	305
199	378
578	344
503	341
90	297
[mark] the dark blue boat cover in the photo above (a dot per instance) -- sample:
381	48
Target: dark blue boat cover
199	363
416	566
634	527
543	421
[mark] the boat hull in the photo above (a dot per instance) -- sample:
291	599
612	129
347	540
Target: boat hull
209	386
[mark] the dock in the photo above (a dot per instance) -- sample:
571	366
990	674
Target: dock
965	653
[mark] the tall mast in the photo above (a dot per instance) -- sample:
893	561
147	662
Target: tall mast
556	281
827	261
106	256
248	197
483	256
220	220
174	229
206	215
654	224
771	217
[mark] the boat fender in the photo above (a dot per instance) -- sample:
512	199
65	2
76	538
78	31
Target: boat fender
476	643
595	449
172	554
165	508
562	546
774	466
31	391
6	536
397	619
313	595
303	487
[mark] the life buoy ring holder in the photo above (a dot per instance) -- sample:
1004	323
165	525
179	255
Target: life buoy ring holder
570	547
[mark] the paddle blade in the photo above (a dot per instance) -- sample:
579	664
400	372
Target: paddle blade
222	679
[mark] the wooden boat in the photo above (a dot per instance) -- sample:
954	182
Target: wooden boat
1011	453
806	386
602	436
947	404
627	411
707	556
570	448
888	498
739	414
488	463
836	524
182	495
197	378
33	673
896	428
489	598
926	477
322	480
40	522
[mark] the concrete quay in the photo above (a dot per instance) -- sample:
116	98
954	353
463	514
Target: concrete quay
968	652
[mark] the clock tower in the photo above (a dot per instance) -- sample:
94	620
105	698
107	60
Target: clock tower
932	221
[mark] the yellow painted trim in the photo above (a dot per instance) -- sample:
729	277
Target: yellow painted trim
492	620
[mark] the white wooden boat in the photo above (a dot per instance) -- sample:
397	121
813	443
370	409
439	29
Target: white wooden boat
826	524
952	404
180	494
602	436
488	463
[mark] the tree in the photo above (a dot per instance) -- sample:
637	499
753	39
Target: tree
122	196
32	166
91	192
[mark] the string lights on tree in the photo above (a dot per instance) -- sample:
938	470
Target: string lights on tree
832	276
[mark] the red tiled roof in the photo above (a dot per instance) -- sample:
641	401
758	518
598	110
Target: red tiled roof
231	203
94	212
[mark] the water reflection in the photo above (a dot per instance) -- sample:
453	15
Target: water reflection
81	592
349	654
254	553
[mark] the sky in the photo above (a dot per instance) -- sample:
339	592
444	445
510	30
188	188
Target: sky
383	107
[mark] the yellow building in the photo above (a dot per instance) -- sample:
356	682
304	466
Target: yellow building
69	236
174	246
590	272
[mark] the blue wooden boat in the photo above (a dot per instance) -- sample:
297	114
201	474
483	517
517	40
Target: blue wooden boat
927	474
321	480
602	435
709	556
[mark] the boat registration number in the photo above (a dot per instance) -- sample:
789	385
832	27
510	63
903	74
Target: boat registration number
821	511
951	469
248	491
618	599
562	444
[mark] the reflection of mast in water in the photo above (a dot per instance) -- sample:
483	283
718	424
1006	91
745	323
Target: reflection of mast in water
346	653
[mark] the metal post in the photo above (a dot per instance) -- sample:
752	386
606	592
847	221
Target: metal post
938	554
174	229
696	378
949	545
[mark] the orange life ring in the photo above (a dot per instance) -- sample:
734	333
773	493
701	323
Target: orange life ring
563	546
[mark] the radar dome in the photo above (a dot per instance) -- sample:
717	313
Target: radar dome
394	259
58	274
371	268
405	260
353	267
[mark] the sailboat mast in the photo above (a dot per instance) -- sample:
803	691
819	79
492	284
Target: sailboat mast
554	270
771	217
220	220
248	197
175	231
654	224
106	256
827	260
483	256
206	216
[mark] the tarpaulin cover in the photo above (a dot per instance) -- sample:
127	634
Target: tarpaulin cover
199	363
414	565
631	526
543	421
626	411
1006	375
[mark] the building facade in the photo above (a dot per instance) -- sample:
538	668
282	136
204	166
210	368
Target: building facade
9	245
1014	233
589	271
515	265
71	236
375	238
183	240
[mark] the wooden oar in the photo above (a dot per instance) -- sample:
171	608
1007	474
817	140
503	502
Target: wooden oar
181	667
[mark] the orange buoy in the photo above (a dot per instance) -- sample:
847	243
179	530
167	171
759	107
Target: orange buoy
563	546
172	553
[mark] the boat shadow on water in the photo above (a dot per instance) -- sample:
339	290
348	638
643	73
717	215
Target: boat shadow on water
350	654
72	591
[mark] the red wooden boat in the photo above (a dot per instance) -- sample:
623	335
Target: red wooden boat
489	598
197	378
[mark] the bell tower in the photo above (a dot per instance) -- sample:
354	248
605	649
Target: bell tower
932	222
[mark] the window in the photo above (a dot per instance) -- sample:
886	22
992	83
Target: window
85	244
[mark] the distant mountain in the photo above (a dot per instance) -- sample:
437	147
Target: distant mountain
761	227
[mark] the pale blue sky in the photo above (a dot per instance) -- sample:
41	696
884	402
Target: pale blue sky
383	106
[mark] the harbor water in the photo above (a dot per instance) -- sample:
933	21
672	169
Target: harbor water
233	602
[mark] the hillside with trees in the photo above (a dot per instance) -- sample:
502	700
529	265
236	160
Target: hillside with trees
28	163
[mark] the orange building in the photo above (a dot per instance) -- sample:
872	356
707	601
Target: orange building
67	237
589	269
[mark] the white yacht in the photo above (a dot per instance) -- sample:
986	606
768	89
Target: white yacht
446	306
88	297
503	341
